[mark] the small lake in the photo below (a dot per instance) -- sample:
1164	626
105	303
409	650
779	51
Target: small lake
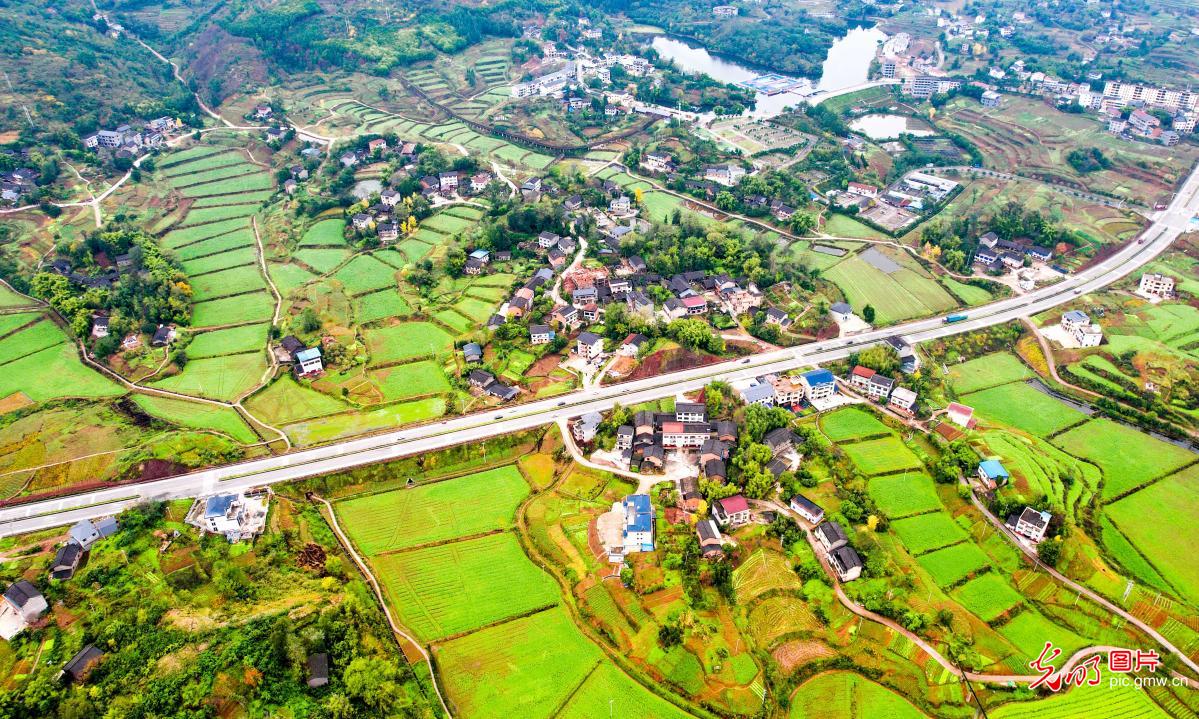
847	64
886	127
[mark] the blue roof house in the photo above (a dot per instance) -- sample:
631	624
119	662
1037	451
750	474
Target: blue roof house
992	473
818	384
638	524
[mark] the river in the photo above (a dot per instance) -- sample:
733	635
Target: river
847	64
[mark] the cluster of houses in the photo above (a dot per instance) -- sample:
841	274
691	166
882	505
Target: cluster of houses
237	517
899	204
996	255
486	383
376	148
22	604
17	184
578	67
129	141
883	389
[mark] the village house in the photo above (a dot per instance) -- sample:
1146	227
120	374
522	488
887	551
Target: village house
818	384
731	511
66	561
903	399
1157	285
831	535
1079	326
862	190
638	534
540	334
992	473
727	175
590	345
777	317
1030	523
77	669
960	414
21	606
807	509
711	544
684	435
585	427
472	353
624	437
841	312
846	562
236	516
788	391
725	11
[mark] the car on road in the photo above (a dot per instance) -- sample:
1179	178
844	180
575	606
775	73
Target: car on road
1078	290
562	403
745	361
499	416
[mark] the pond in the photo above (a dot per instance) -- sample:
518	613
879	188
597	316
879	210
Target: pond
847	65
886	127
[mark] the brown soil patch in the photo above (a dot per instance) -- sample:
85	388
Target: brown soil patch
14	401
798	652
670	360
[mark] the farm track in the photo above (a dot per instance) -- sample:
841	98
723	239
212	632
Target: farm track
953	668
406	640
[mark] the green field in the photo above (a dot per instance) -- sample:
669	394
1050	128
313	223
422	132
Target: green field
409	380
234	281
221	261
217	214
1173	504
325	232
524	668
851	423
968	294
289	277
236	239
987	371
407	340
245	183
242	198
387	417
178	238
365	274
379	305
988	596
447	589
447	223
323	261
434	512
903	294
902	495
881	456
1127	458
253	307
628	698
197	415
952	564
927	532
71	379
845	695
286	401
224	378
233	340
1100	702
1029	630
1020	405
35	338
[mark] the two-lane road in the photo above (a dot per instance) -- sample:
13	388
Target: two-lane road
1165	228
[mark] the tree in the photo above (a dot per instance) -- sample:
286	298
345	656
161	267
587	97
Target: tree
868	313
308	320
374	683
1049	551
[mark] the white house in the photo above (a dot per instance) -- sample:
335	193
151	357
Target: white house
902	398
830	535
725	11
960	414
638	532
731	511
1031	523
308	361
847	563
1079	326
21	605
590	345
1156	284
818	384
841	312
236	516
807	509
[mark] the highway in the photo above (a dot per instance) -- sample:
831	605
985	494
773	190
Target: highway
1165	227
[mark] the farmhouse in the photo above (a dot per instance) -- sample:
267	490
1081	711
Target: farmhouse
318	670
960	414
731	511
788	391
472	353
840	312
758	393
690	411
1157	285
861	190
638	535
711	544
831	535
590	345
540	334
992	473
903	399
66	561
80	665
1078	325
22	605
818	384
807	509
1030	523
236	516
585	427
846	562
